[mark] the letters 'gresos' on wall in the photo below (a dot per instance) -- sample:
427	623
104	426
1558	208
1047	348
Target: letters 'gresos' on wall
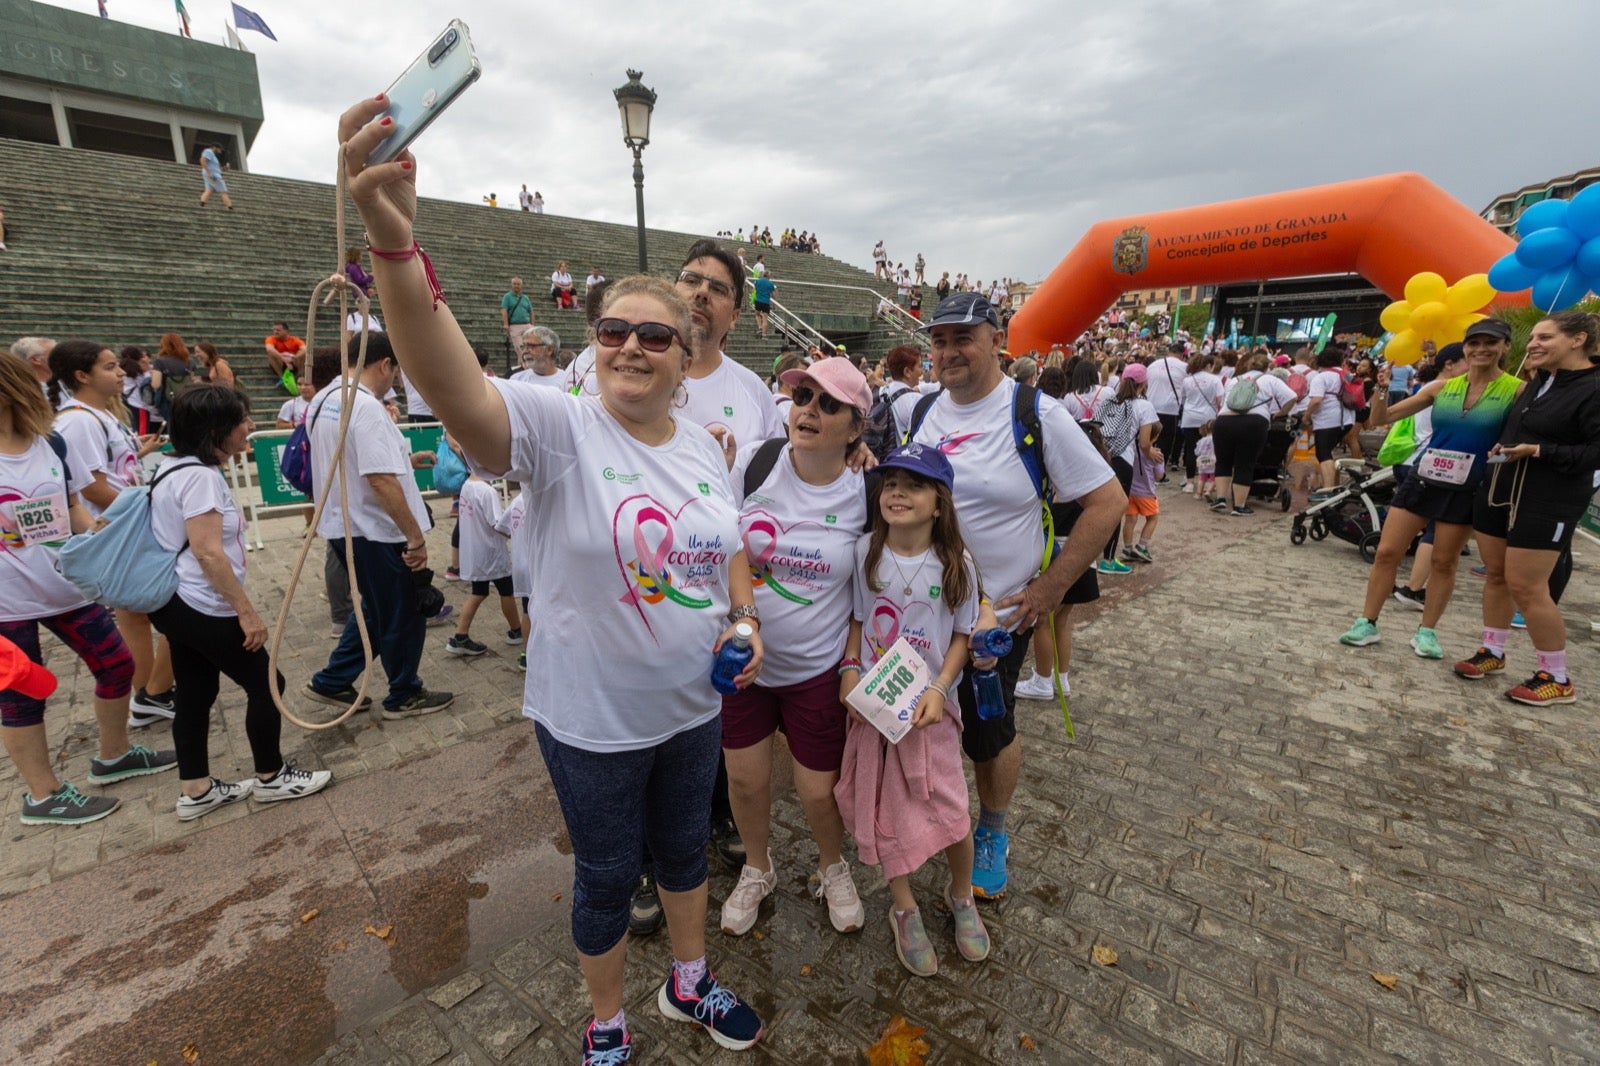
1385	229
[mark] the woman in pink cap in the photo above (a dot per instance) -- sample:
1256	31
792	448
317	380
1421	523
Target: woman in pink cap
801	510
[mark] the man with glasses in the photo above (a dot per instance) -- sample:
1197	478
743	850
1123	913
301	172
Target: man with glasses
538	358
970	421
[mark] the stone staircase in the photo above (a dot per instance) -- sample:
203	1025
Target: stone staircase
115	248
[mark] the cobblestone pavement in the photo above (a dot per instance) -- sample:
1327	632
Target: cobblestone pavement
1259	822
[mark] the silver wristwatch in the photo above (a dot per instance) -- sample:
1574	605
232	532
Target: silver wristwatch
739	614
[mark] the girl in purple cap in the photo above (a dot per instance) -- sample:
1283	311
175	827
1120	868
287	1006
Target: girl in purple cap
906	802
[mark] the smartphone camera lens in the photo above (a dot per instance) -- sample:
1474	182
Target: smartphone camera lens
442	45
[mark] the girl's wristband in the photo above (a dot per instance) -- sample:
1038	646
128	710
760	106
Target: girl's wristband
939	686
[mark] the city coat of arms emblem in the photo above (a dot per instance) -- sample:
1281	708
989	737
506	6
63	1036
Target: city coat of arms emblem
1128	251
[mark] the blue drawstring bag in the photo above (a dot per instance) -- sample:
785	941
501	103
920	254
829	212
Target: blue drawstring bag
123	565
449	472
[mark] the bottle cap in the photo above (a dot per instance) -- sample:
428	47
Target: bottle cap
743	632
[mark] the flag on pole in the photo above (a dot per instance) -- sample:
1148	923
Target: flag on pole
246	19
183	18
233	38
103	12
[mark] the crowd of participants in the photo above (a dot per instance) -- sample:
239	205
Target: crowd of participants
657	468
789	239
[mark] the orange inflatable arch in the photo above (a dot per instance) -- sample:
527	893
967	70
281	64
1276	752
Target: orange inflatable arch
1385	229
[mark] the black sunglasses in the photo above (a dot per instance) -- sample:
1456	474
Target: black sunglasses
653	336
804	394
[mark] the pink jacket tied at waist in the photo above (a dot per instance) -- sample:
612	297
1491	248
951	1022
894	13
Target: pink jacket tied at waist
904	803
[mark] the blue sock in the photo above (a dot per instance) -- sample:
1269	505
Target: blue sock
991	819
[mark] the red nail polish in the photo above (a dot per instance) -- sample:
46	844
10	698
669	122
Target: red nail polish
405	166
387	121
378	97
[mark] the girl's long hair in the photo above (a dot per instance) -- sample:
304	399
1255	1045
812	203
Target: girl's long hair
67	359
947	545
31	414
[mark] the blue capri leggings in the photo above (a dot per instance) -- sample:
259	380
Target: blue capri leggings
91	633
616	801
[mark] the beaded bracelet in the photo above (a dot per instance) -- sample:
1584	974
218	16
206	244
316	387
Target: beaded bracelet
940	687
415	251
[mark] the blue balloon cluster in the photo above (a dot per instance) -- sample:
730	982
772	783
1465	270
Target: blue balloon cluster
1559	254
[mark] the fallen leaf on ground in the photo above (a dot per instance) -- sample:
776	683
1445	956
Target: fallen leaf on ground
382	932
805	971
1387	980
759	935
900	1045
555	897
308	915
1105	956
339	945
1027	1044
1458	721
191	1054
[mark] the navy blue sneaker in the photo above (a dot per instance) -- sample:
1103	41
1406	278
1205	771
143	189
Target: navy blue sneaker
731	1021
989	862
606	1047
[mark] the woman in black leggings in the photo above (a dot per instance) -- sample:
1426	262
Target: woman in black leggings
1240	432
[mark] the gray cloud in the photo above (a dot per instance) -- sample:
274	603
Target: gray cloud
987	137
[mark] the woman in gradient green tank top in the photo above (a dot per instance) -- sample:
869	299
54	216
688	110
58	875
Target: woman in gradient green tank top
1468	413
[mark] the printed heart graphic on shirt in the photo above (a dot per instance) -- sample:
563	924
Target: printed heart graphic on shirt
648	527
884	624
761	542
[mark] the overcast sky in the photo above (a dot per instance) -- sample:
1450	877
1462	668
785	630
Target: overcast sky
986	136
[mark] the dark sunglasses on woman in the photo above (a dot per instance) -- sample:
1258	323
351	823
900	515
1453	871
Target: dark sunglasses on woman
653	336
804	394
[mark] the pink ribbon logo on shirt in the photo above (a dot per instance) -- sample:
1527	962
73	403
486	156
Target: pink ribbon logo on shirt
760	546
952	444
883	628
648	578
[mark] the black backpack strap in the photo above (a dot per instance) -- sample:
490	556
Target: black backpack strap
1028	432
918	413
762	462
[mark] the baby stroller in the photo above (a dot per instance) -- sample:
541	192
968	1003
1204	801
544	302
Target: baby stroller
1270	480
1354	513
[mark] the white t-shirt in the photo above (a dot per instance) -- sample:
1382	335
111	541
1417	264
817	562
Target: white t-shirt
538	204
31	585
416	406
995	500
923	618
374	445
1163	393
1330	412
352	323
1272	396
1144	414
1301	370
560	279
525	198
513	523
485	554
1202	398
591	281
630	548
294	410
733	397
190	489
580	373
800	542
903	403
553	380
107	448
131	390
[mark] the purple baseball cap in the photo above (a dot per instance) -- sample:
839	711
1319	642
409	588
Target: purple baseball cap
923	459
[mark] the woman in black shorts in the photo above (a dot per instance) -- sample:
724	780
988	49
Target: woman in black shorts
1525	512
1240	435
1468	412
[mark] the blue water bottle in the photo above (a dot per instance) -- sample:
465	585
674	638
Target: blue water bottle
732	659
990	644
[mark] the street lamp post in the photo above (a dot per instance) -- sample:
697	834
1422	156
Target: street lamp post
636	102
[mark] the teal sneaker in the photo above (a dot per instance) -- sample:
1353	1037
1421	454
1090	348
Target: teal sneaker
1360	635
1518	622
989	862
1426	644
1113	566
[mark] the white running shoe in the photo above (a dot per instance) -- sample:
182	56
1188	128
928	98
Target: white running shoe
743	904
1038	687
844	904
291	782
220	794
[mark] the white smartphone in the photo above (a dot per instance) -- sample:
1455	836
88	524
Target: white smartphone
429	85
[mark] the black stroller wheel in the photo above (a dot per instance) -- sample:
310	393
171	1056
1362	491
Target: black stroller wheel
1369	545
1285	498
1319	529
1297	535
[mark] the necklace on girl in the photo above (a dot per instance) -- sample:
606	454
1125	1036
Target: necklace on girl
895	561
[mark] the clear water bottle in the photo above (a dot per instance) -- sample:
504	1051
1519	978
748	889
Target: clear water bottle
990	644
732	659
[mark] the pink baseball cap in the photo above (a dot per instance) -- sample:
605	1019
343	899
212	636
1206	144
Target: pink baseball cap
1135	372
839	378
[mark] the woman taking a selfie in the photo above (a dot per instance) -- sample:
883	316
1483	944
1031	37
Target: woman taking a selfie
638	574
